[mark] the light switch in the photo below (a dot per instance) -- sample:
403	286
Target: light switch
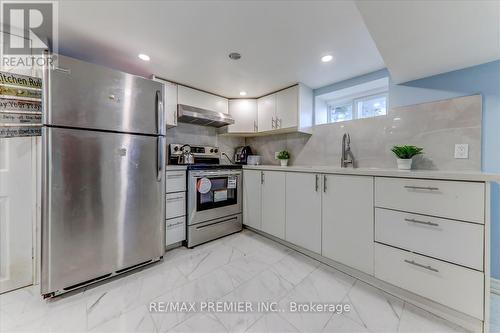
276	153
462	150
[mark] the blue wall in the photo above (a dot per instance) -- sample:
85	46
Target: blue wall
482	79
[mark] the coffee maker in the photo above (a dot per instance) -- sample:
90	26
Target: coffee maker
241	154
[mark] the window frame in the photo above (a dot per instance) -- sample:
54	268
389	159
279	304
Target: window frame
354	104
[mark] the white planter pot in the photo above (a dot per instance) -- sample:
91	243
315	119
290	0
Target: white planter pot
404	164
284	163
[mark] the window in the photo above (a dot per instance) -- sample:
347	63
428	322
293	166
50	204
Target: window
365	100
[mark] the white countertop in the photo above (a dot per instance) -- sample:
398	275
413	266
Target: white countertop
426	174
175	167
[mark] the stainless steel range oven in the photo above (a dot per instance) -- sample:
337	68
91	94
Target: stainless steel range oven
214	194
214	203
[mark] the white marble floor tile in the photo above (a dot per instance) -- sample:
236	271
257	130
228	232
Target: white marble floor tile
136	320
241	267
379	312
203	262
343	324
200	323
294	267
271	323
415	320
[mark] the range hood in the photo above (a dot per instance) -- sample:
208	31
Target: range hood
193	115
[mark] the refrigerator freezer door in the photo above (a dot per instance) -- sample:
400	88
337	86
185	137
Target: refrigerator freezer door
85	95
103	205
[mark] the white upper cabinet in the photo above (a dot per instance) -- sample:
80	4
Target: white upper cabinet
287	107
202	100
170	104
288	110
266	113
169	101
244	113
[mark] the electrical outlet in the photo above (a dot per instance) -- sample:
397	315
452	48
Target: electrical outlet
462	150
276	153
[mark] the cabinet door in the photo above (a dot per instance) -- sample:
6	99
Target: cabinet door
170	104
303	210
287	107
252	198
266	112
202	100
244	113
273	203
347	207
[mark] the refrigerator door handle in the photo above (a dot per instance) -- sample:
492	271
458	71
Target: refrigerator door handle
160	158
159	113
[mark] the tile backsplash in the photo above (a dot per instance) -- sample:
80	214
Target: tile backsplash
204	135
435	126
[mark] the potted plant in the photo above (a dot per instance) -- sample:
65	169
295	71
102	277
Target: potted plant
405	155
283	156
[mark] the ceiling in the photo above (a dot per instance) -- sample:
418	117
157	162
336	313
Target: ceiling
421	38
189	41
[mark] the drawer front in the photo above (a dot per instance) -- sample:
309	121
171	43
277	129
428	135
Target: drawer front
457	287
176	230
451	199
175	181
431	236
176	204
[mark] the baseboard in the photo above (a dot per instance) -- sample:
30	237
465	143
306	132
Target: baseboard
495	286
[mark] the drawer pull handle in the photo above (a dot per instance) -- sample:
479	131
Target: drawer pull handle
422	222
174	224
430	268
175	176
175	198
428	188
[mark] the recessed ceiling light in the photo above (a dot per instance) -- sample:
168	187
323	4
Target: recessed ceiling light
327	58
144	57
243	93
234	55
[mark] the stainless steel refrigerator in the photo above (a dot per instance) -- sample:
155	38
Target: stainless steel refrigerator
103	190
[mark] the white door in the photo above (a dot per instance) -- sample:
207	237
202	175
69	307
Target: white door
303	210
347	207
287	107
244	113
266	112
252	198
273	203
17	192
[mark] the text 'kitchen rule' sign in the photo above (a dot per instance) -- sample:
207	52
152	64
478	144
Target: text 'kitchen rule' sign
20	105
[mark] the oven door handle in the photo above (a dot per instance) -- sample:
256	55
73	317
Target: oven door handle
208	175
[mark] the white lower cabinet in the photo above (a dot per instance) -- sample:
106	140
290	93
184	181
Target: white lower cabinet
399	230
454	286
303	210
431	236
176	230
252	208
273	203
347	208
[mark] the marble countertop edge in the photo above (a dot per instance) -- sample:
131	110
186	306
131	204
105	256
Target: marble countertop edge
476	176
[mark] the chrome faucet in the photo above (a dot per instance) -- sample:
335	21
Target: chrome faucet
347	156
